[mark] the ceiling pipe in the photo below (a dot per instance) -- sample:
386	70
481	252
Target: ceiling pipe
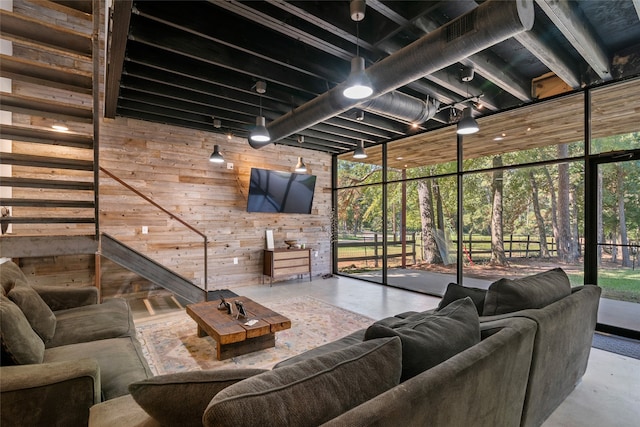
402	106
490	23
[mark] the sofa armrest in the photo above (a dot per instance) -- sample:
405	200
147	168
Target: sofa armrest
61	391
64	297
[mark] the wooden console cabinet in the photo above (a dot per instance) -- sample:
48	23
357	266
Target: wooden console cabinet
287	262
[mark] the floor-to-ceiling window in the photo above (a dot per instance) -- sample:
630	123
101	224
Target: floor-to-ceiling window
520	208
615	163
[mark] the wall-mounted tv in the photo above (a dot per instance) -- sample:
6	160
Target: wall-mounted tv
285	192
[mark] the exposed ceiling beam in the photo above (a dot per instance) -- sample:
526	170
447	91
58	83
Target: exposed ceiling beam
569	20
119	23
560	64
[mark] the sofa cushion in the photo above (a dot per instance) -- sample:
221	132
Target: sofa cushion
181	398
433	339
455	292
111	319
535	291
20	343
312	391
120	359
10	273
37	312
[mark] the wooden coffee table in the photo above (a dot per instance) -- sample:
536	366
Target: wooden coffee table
233	337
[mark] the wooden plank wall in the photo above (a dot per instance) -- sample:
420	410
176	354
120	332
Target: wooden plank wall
170	165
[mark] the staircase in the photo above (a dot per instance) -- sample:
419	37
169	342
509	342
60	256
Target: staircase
48	156
49	133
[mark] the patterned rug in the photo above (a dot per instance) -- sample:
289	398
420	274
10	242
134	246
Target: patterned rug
171	344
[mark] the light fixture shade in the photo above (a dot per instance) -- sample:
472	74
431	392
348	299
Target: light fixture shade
467	124
358	85
216	157
359	152
300	166
260	132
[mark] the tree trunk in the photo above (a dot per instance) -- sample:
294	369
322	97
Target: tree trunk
430	254
544	250
439	210
600	225
554	207
575	232
497	241
565	252
624	238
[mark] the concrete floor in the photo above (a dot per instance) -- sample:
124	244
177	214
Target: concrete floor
608	395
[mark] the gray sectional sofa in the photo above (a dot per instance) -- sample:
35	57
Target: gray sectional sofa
62	352
507	356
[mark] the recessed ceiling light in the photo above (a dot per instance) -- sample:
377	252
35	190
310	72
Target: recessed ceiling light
399	158
60	128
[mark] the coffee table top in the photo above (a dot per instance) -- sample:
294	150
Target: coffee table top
226	329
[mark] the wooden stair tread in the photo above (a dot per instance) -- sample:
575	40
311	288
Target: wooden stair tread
47	34
46	74
18	246
49	203
45	136
78	8
46	220
37	106
46	183
45	161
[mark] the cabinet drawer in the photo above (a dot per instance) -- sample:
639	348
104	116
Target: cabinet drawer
290	255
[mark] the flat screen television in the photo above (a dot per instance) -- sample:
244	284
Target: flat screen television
283	192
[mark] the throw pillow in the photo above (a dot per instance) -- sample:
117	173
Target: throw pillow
310	392
455	292
181	398
535	291
37	312
434	339
20	344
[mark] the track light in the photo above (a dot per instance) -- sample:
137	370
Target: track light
359	152
216	157
300	166
467	124
260	132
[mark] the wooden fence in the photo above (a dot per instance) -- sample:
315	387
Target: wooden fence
369	247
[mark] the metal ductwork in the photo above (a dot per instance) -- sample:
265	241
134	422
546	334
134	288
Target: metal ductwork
401	106
490	23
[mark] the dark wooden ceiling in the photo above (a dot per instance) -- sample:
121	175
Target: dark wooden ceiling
185	63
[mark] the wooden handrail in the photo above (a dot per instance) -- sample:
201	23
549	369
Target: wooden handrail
172	215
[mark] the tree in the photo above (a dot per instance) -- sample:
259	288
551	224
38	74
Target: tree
624	239
565	244
544	250
431	254
497	240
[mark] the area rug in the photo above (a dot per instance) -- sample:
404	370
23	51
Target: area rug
171	344
615	344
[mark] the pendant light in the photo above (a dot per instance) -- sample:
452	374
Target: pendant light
260	132
358	85
300	166
216	157
467	124
359	152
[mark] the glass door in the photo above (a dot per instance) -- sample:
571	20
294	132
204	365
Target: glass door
614	225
